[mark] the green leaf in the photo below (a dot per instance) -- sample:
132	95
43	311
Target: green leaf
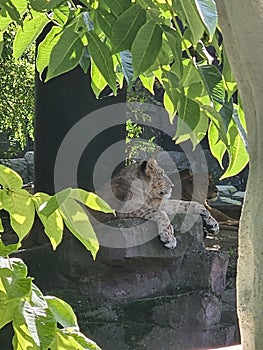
17	288
146	47
6	250
105	21
27	33
200	130
72	339
62	312
190	74
91	200
22	339
66	53
192	17
45	48
188	116
98	83
219	122
1	228
127	68
228	76
12	10
102	58
9	179
175	42
41	324
208	13
125	28
170	107
18	267
85	60
53	224
171	84
148	82
44	5
78	223
53	203
117	7
213	82
217	147
7	309
238	156
20	207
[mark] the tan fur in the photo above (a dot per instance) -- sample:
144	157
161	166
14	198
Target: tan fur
143	190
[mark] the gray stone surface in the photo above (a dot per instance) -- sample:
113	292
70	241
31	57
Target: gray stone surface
138	294
23	166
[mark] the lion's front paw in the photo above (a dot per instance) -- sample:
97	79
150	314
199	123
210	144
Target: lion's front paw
210	224
168	238
172	243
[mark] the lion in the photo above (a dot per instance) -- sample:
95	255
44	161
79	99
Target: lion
143	190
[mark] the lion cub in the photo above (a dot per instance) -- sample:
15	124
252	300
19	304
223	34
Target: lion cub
143	190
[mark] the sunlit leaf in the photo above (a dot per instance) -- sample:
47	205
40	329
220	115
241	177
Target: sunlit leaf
213	82
217	147
98	83
91	200
62	312
66	53
193	20
53	203
6	250
9	179
40	5
238	156
45	48
53	223
20	206
41	324
148	82
78	223
27	33
200	130
208	13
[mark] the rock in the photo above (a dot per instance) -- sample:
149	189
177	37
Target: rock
143	268
227	202
176	322
19	165
239	196
23	166
226	190
138	294
29	158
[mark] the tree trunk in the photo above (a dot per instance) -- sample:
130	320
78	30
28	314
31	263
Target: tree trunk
241	22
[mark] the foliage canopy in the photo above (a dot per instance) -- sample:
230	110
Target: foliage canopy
16	97
172	41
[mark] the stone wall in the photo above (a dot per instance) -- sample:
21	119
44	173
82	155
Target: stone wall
140	296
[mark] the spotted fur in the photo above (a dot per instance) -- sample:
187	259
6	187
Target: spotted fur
143	190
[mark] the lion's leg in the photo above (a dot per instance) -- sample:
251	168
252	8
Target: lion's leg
173	206
165	229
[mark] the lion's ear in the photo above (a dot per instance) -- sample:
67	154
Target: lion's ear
147	166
